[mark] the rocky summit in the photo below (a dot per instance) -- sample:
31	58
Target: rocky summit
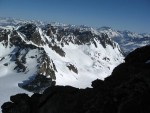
127	90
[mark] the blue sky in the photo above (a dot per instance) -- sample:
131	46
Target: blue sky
131	15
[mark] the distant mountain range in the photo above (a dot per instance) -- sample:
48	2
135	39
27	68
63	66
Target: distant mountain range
127	40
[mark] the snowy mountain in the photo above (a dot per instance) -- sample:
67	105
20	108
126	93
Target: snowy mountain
127	40
35	56
67	55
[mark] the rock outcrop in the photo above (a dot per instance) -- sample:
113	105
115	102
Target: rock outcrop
127	90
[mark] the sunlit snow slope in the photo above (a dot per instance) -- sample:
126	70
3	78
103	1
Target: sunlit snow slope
76	56
33	56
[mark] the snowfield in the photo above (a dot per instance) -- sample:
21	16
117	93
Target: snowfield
9	83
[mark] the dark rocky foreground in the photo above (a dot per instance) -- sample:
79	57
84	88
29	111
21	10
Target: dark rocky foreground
127	90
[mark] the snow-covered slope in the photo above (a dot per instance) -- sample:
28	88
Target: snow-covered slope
75	56
127	40
34	57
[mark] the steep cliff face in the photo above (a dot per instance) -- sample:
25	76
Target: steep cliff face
127	90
